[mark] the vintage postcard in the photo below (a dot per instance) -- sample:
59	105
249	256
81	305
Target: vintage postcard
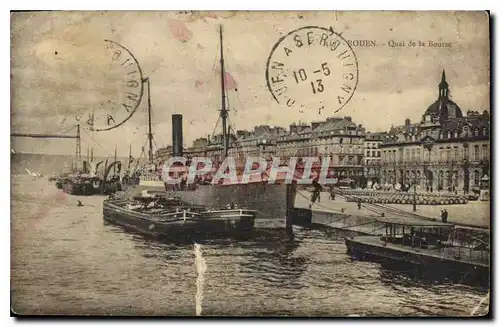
321	164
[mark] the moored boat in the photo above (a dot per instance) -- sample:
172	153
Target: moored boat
270	200
161	216
239	219
81	185
428	245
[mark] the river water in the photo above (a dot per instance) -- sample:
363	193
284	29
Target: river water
65	260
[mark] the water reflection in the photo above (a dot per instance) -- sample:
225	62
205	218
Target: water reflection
278	267
405	274
268	254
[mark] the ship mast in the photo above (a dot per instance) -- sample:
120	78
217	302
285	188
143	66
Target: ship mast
150	133
114	169
78	150
223	111
129	156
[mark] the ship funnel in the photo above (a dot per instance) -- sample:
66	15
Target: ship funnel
177	149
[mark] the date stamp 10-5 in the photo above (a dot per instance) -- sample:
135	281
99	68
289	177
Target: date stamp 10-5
312	68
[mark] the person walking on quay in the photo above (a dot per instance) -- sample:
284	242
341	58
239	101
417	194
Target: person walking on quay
331	196
444	216
359	204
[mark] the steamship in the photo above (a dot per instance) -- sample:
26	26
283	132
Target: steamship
269	200
87	181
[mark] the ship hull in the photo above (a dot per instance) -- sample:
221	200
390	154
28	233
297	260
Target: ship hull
367	250
80	188
238	219
268	200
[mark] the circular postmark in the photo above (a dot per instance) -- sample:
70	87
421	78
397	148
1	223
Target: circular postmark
312	68
120	86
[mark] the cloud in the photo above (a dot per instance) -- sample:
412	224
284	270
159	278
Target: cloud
59	67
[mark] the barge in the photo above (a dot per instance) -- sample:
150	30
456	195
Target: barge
170	217
428	245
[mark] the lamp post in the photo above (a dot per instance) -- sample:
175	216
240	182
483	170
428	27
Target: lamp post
415	193
428	147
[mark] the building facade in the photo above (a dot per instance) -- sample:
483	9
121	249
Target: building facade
446	151
372	155
338	138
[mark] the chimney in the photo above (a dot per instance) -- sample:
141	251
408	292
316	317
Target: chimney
348	118
177	149
293	128
407	121
314	125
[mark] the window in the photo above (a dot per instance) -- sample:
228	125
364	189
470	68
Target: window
466	153
485	152
476	152
455	154
476	177
441	154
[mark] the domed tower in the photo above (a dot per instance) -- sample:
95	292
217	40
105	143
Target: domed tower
443	108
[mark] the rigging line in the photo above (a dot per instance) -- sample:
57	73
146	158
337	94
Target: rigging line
139	159
68	129
216	56
106	151
216	125
387	209
371	207
317	204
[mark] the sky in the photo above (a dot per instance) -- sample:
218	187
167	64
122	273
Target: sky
59	72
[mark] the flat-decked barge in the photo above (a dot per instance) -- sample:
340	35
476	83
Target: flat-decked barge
160	216
432	245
